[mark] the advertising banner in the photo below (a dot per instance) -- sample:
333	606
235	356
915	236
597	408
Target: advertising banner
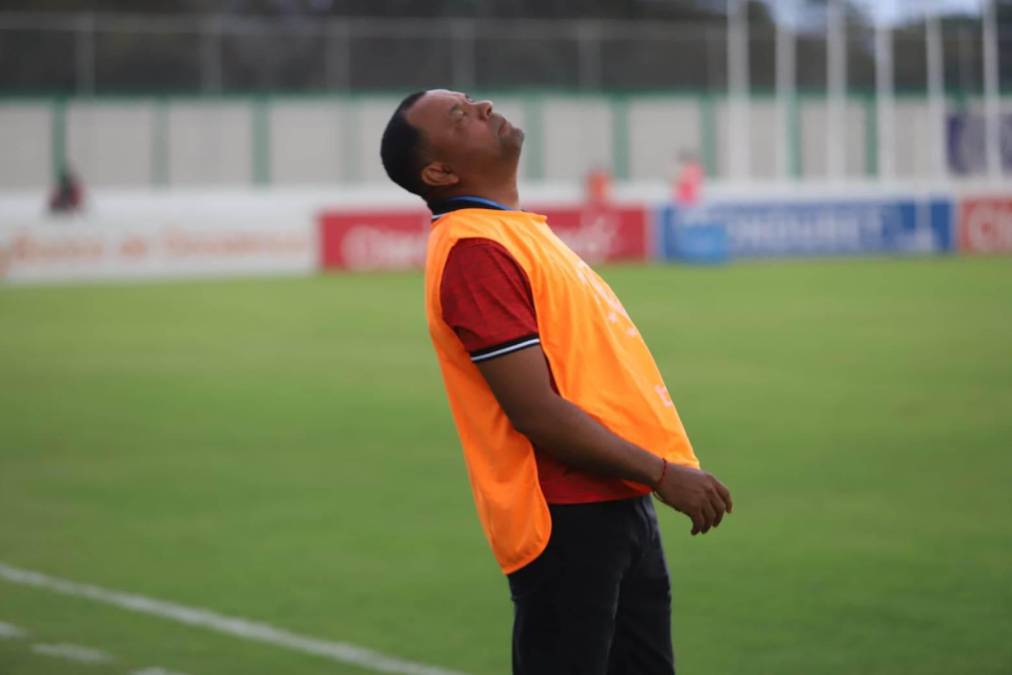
58	252
966	143
813	228
387	240
985	225
373	240
602	233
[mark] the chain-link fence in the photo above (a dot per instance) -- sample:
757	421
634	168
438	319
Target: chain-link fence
103	54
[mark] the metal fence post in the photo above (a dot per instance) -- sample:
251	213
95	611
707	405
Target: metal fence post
739	144
936	88
992	105
462	35
534	119
261	141
588	36
786	88
965	56
711	45
84	54
620	136
58	136
210	67
338	54
836	98
884	100
160	143
708	134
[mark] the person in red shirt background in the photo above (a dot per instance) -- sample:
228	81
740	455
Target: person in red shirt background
68	195
688	185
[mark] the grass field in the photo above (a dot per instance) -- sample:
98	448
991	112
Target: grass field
281	450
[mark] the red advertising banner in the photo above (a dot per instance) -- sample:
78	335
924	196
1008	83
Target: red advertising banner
373	240
985	225
378	240
601	233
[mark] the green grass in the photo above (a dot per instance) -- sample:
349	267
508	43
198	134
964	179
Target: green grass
282	450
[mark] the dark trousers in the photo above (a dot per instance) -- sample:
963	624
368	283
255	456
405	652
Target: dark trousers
597	601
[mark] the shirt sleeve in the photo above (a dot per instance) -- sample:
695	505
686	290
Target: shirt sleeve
486	299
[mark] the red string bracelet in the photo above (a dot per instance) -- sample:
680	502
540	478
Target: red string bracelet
664	472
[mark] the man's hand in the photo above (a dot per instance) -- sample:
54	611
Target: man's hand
697	494
521	382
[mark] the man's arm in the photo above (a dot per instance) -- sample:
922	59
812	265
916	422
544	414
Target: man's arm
521	383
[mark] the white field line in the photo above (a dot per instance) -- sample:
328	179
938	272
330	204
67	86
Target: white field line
155	671
10	632
342	652
73	653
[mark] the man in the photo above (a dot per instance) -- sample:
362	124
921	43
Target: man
564	419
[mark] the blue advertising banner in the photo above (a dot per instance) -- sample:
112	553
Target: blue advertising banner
806	228
966	141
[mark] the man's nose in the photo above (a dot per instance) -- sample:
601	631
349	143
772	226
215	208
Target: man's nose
485	108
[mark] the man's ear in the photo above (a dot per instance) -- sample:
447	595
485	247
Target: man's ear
437	174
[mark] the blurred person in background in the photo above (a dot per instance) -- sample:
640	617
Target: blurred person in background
687	183
597	187
68	194
564	418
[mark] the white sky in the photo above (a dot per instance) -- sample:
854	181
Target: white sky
899	10
889	11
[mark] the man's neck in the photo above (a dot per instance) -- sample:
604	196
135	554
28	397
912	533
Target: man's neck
508	196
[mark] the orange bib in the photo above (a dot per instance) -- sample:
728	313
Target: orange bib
596	355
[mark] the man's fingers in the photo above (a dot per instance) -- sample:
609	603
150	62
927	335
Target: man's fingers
709	515
724	493
712	503
697	522
718	507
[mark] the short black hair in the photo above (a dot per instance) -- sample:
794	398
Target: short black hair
401	148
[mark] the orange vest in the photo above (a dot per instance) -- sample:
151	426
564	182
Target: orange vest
597	357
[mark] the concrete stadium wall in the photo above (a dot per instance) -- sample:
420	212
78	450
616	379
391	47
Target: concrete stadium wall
25	136
142	142
110	143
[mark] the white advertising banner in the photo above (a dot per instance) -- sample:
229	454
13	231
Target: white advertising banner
66	253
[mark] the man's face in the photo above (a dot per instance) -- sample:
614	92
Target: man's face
468	136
